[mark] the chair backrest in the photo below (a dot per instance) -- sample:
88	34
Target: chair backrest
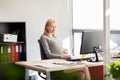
43	55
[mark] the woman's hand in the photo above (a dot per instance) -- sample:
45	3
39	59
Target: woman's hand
66	57
65	51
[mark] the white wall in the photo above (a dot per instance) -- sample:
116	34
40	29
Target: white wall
35	13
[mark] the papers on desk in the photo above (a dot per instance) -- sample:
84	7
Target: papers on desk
56	64
48	65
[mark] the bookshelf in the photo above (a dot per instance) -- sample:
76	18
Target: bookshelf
11	52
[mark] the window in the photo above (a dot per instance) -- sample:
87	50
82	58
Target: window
114	14
87	14
77	41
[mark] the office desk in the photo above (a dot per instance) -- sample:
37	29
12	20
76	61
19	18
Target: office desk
32	65
94	67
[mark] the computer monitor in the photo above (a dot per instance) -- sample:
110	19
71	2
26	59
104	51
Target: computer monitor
94	38
92	42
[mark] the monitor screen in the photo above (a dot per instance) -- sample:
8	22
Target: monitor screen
92	42
91	39
94	38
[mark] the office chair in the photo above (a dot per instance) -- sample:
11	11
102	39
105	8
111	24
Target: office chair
43	57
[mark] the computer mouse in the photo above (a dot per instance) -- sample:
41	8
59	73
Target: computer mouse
89	60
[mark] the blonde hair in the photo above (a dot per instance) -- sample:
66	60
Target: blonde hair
48	22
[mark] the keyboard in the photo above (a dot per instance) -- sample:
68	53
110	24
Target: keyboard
73	59
78	59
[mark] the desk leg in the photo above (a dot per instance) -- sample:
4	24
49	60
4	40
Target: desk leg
48	76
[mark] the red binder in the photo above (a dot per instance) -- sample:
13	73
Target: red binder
13	52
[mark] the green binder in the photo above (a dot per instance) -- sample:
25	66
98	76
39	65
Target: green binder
1	53
5	53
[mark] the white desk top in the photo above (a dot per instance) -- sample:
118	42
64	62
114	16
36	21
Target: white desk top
92	64
64	65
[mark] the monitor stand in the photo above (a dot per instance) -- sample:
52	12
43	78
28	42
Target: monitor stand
95	51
